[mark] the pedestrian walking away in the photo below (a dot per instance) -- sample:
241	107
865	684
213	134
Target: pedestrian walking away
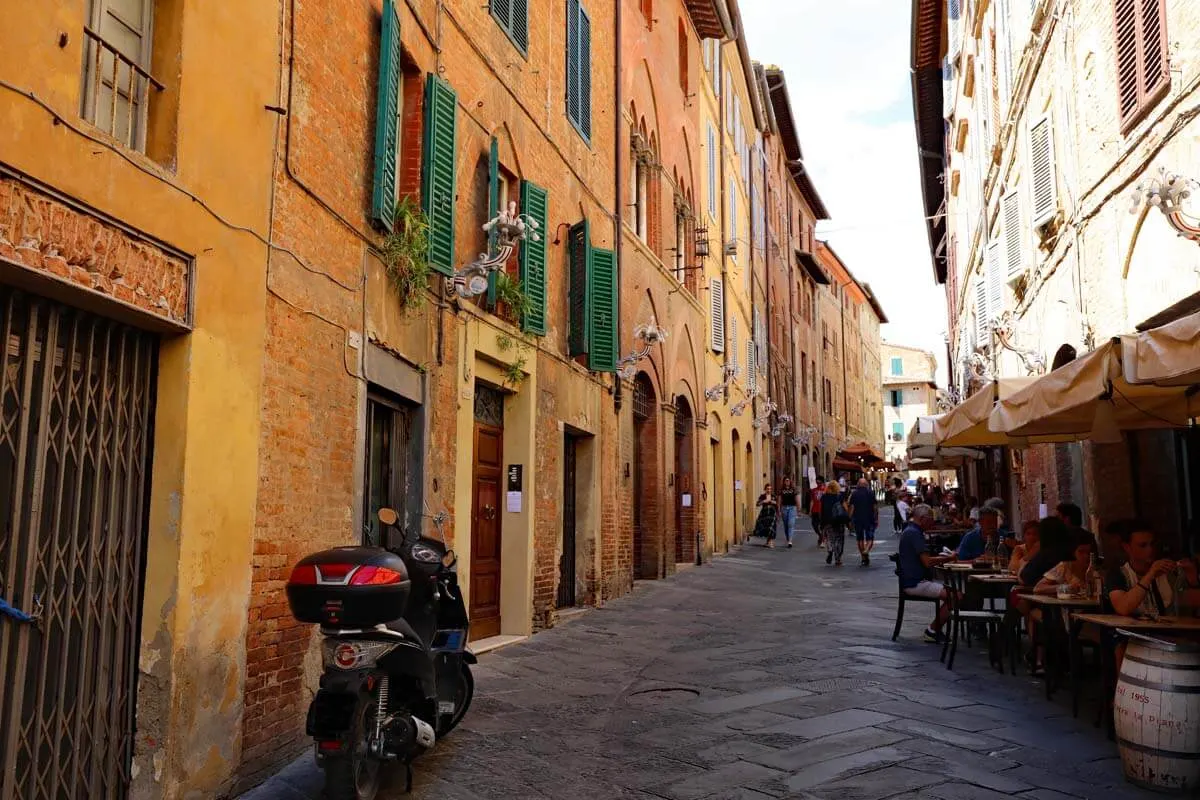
789	509
768	506
835	515
814	509
864	515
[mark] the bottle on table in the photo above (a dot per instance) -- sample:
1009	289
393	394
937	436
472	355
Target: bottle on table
1095	582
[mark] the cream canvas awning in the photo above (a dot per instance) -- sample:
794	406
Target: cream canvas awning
966	425
1166	355
1136	382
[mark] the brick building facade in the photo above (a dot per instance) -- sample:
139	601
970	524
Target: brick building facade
287	361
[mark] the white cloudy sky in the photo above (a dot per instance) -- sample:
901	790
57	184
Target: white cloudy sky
847	68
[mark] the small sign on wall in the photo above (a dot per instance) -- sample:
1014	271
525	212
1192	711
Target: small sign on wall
515	478
737	485
687	501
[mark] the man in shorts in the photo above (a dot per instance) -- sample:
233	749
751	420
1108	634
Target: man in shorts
914	563
864	515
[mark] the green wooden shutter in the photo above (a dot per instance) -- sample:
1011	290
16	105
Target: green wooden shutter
579	241
573	107
387	119
585	74
520	24
602	303
534	202
438	171
493	210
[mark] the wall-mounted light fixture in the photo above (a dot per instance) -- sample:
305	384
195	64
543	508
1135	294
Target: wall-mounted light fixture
649	335
509	229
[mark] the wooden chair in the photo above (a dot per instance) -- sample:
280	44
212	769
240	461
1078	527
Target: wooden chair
903	598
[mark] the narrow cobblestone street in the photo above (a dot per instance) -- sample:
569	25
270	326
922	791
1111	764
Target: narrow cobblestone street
766	674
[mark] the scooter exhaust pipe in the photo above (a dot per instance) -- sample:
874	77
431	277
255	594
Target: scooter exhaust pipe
408	736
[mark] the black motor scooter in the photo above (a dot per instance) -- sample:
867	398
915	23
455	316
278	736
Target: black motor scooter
397	673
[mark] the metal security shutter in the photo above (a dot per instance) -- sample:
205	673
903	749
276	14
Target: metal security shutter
716	315
76	425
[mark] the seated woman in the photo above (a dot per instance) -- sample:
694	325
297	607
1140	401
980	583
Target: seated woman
1027	549
1071	573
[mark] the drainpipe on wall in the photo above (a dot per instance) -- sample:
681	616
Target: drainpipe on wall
617	238
845	392
724	204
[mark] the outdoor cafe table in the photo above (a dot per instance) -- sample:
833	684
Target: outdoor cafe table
1052	624
1164	624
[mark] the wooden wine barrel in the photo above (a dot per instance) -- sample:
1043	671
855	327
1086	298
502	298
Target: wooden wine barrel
1157	714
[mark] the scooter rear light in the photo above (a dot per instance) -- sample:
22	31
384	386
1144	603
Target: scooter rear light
329	745
335	572
376	576
304	575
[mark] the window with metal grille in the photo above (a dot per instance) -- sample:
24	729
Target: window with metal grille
643	394
683	418
1143	71
117	84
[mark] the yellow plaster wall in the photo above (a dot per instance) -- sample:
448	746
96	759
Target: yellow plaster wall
206	441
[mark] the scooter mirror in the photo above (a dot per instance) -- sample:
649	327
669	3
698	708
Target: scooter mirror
449	559
388	516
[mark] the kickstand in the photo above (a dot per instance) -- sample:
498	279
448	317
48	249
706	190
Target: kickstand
408	775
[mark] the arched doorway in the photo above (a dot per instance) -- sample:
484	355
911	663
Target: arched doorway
685	499
645	478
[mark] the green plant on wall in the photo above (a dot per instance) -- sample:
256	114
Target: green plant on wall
405	254
511	300
514	372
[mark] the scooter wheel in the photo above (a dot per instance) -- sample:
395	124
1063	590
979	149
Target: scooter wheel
463	694
355	776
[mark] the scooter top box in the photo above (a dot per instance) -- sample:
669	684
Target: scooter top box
349	587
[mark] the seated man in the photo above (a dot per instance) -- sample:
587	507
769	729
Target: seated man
1144	585
976	541
914	562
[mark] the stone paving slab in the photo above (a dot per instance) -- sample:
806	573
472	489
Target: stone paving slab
764	675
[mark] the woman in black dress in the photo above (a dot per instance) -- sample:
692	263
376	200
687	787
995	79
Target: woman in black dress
768	507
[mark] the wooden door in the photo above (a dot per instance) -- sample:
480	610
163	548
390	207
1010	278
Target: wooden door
485	531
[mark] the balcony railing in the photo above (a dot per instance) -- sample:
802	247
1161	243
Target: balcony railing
116	91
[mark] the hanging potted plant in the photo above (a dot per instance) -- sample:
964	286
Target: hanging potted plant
405	254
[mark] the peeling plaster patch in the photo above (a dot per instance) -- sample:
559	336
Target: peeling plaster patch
159	758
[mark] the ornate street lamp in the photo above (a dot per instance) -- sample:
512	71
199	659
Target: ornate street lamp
649	335
509	229
1167	192
729	373
1033	361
